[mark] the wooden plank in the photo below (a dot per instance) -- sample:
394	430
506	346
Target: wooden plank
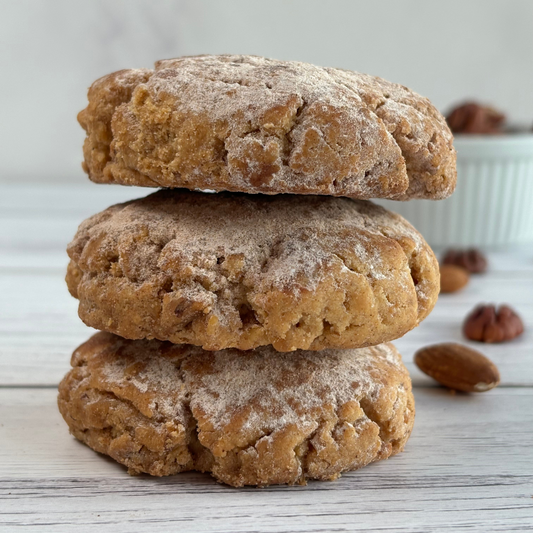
21	200
39	329
468	466
38	221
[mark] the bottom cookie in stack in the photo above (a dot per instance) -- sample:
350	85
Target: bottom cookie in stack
249	418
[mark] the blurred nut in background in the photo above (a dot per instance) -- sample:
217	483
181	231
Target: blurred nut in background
474	118
452	278
472	260
486	324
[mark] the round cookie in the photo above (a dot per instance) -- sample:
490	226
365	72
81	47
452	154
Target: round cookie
249	418
257	125
233	270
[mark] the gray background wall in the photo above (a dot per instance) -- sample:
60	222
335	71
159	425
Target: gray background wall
51	50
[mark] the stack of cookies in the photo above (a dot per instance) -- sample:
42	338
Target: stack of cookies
246	333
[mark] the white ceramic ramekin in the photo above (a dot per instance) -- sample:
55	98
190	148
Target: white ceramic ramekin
493	202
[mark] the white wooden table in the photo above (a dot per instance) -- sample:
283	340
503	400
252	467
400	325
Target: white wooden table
467	467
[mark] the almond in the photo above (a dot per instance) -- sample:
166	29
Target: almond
452	278
458	367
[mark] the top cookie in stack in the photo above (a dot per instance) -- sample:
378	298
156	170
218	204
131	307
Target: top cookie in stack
256	125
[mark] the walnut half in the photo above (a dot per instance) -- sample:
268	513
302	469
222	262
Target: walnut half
488	324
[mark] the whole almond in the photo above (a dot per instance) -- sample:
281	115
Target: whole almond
458	367
452	278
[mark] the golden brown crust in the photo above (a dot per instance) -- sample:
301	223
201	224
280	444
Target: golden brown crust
105	95
256	125
236	270
249	418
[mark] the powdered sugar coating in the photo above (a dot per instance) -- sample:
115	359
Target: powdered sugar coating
300	381
256	417
251	124
236	270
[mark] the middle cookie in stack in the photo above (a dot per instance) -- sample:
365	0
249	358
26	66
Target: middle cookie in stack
320	277
231	270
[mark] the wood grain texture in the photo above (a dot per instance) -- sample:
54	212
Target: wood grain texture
467	467
39	327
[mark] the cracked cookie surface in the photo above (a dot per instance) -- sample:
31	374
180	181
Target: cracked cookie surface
233	270
249	418
257	125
